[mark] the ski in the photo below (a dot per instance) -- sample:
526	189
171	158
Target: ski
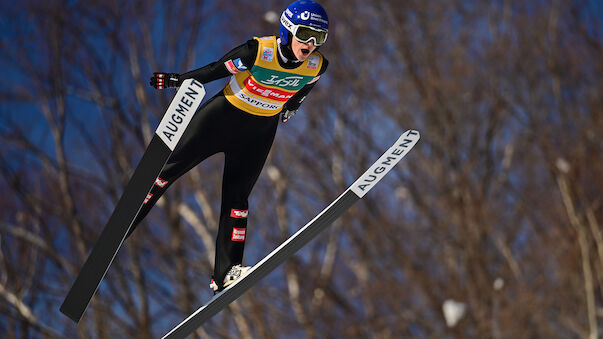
166	137
298	240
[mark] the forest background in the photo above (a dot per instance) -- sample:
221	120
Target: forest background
497	209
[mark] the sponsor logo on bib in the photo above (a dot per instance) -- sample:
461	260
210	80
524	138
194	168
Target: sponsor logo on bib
313	61
268	54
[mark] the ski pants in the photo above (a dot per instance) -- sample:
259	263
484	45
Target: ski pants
245	139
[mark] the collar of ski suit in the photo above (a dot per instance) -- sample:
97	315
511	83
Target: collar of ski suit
287	61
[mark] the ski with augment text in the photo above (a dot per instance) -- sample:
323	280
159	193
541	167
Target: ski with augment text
166	137
298	240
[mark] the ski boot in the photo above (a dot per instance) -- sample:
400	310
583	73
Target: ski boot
235	272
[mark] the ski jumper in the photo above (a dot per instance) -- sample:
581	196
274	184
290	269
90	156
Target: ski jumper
240	121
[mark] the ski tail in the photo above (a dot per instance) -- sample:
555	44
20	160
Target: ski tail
168	133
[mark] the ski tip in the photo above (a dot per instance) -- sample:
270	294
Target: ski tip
387	161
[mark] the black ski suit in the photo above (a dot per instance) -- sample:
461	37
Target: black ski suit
245	139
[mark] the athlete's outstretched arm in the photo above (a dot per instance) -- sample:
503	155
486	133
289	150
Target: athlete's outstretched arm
216	70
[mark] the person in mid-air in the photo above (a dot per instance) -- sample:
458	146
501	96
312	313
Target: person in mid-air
269	76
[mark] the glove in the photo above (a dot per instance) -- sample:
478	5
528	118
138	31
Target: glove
287	114
161	80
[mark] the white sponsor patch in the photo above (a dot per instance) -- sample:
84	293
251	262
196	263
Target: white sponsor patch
268	54
313	61
160	182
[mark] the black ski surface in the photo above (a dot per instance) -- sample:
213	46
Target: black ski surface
183	107
355	192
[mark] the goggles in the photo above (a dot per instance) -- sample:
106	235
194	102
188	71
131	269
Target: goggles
303	33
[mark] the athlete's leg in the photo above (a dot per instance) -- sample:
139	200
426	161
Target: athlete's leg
242	168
